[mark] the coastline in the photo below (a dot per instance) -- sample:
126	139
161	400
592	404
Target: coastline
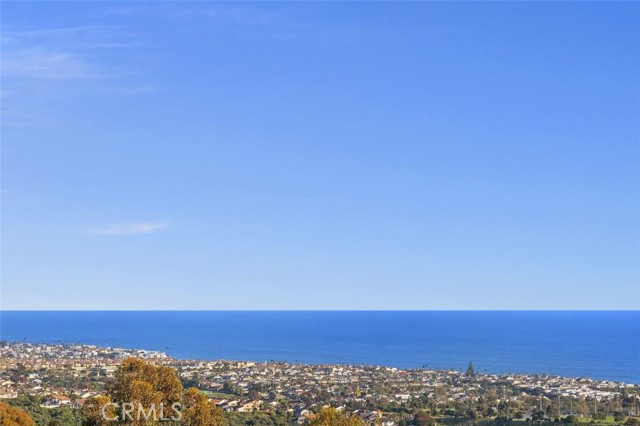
161	357
600	345
78	372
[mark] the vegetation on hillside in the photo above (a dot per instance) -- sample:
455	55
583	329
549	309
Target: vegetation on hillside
329	416
159	391
141	383
12	416
59	416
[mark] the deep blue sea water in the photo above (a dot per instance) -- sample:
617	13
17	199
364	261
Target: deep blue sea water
602	345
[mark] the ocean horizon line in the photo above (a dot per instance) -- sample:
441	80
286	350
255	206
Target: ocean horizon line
320	310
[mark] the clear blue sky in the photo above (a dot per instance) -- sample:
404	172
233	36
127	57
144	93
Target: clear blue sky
320	156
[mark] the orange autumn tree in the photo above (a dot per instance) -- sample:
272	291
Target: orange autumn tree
93	409
138	381
143	384
12	416
199	411
329	416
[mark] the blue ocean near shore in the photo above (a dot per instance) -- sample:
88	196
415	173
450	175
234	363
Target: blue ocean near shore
596	344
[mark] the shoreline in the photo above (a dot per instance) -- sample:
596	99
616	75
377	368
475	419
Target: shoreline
67	375
164	358
594	344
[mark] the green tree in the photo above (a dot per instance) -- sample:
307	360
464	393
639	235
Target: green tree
503	421
537	415
230	387
471	372
423	419
618	416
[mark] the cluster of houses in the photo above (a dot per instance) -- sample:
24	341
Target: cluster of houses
297	388
27	368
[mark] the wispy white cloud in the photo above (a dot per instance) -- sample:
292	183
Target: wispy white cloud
131	228
42	64
247	16
60	53
46	64
17	118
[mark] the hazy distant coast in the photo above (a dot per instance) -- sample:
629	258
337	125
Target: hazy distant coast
600	345
244	385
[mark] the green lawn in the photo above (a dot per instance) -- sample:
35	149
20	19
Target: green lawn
606	421
221	395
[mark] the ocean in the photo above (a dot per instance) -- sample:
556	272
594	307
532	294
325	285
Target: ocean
596	344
